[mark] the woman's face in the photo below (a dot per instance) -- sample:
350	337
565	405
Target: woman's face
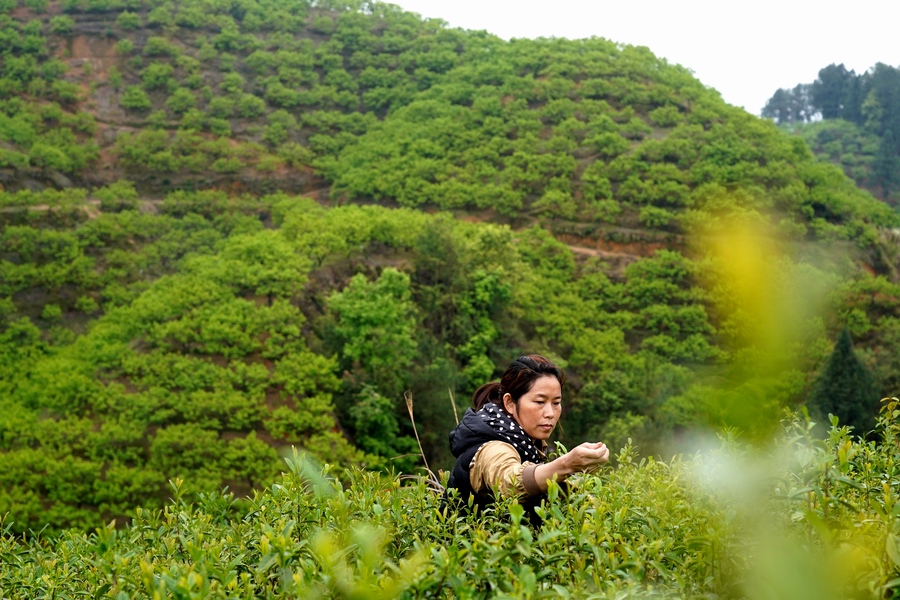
539	408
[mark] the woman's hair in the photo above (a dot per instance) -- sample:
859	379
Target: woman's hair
518	378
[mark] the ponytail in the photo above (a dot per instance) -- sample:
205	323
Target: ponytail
489	392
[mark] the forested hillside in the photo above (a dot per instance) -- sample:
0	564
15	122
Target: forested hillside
230	228
849	119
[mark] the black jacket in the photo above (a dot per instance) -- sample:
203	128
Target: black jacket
470	435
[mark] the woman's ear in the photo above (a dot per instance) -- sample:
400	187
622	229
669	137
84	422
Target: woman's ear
508	404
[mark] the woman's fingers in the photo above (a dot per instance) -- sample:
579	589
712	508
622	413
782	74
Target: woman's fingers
591	454
604	453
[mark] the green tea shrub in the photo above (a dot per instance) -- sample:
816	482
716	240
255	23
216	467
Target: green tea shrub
128	20
135	98
798	515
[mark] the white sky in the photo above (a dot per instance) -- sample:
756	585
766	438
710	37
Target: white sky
745	50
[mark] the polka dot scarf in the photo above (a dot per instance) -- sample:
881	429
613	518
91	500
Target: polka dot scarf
505	426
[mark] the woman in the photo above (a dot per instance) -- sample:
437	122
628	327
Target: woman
501	445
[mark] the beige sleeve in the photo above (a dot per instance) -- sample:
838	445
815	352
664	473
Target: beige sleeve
497	465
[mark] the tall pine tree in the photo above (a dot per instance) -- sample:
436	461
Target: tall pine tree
846	389
829	92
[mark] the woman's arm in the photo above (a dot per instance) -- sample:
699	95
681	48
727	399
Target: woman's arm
496	466
578	459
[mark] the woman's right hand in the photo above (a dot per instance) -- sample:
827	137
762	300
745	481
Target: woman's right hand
586	457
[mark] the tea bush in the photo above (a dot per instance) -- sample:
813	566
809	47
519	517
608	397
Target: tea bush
800	517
